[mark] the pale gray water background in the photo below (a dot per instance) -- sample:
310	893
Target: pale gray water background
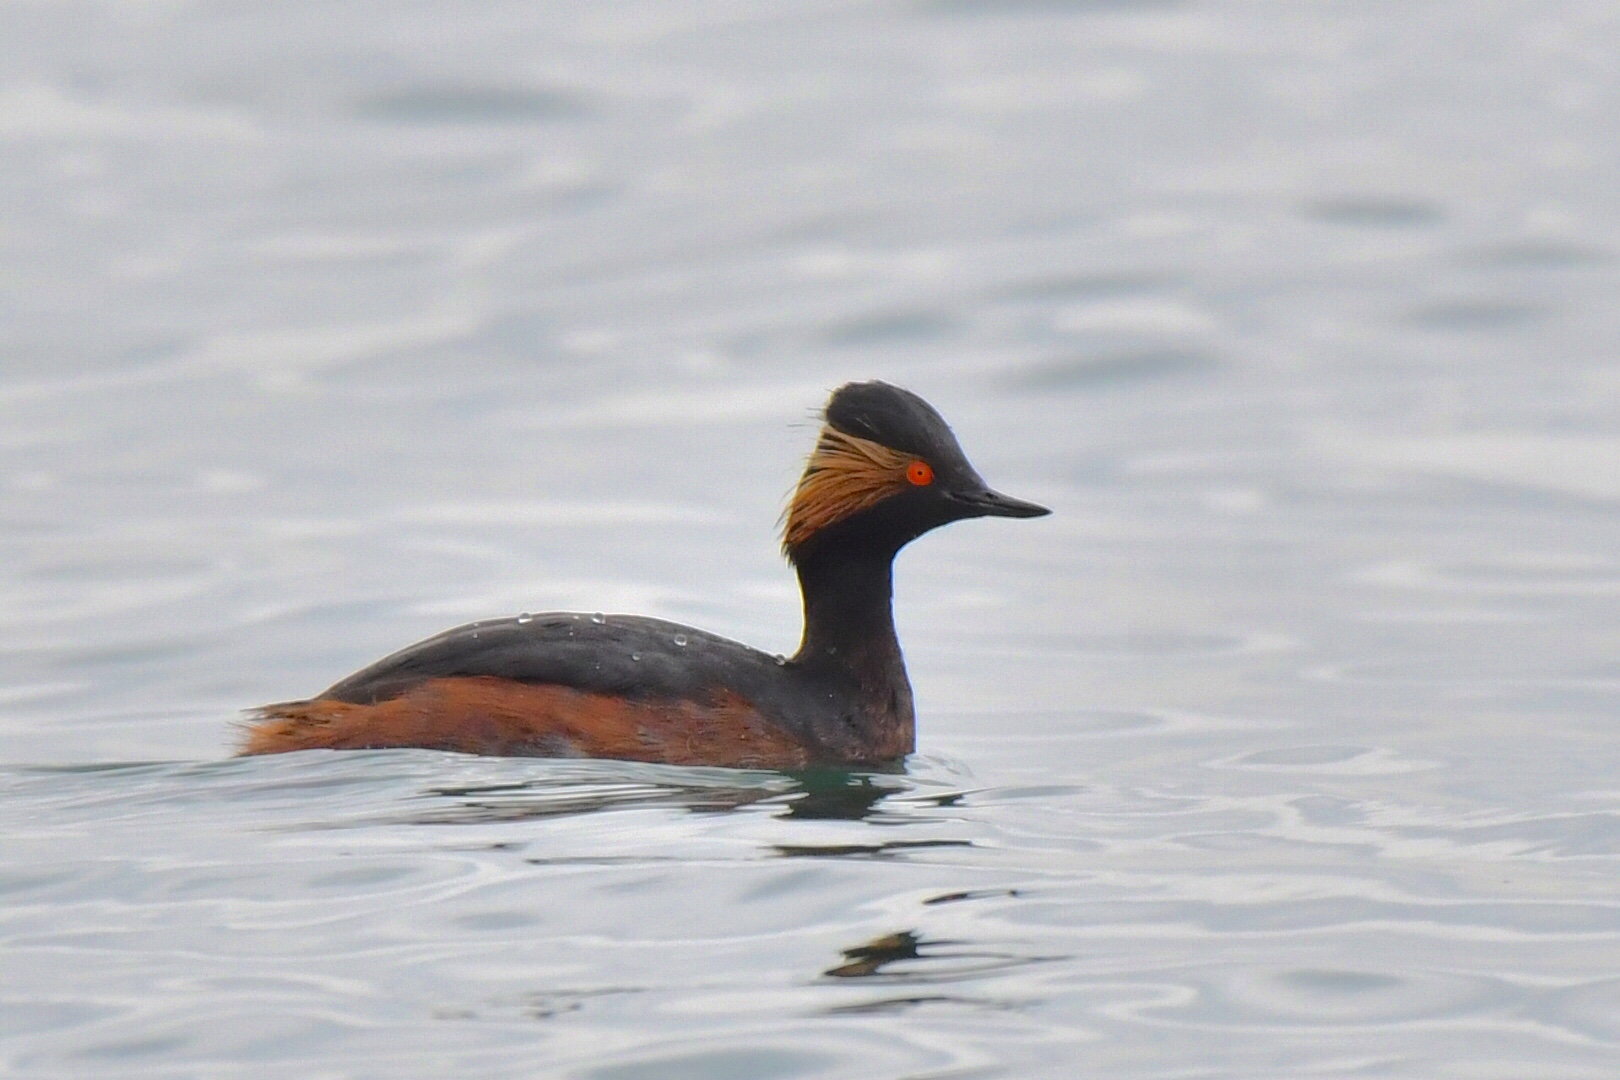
1284	748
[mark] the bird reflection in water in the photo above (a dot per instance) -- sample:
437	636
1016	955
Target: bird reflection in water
808	795
835	795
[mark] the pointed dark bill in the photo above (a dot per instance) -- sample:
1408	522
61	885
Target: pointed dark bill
987	503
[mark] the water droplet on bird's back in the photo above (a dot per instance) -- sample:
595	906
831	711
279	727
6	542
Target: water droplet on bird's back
598	618
635	656
679	639
781	661
525	618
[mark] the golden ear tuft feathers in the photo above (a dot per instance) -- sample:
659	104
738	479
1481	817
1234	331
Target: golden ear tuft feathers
845	475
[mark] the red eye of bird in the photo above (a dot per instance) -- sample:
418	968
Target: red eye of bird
920	473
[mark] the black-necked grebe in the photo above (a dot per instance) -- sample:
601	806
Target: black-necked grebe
885	470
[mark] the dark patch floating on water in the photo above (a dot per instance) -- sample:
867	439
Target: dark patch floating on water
1473	314
475	105
1114	369
872	957
938	961
1373	212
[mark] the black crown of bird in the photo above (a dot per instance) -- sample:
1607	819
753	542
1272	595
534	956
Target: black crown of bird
885	469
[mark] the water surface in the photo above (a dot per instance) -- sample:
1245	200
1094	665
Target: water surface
1283	748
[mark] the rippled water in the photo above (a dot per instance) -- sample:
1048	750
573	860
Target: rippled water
1283	748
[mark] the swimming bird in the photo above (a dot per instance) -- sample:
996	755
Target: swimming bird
885	469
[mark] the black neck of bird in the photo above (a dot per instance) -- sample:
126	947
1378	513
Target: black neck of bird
849	642
849	614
